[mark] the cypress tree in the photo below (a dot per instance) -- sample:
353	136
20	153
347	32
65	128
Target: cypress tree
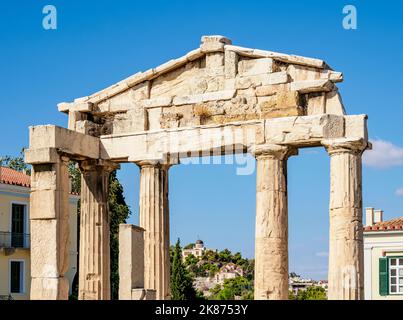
181	281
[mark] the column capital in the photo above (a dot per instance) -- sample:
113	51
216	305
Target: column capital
273	150
157	163
348	145
99	164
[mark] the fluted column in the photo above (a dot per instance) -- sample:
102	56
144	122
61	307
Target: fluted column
271	240
154	218
346	255
94	260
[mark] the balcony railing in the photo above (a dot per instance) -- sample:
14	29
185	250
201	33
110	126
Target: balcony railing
14	240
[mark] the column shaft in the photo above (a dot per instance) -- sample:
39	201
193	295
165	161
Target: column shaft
154	218
94	259
271	241
346	274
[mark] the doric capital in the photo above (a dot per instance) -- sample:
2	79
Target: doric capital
356	146
166	163
98	165
273	150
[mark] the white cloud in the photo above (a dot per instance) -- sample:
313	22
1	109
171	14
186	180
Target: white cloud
399	192
322	254
384	154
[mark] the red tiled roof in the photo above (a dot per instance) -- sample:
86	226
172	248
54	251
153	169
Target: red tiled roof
390	225
16	178
13	177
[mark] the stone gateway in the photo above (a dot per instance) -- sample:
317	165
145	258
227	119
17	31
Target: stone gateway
217	99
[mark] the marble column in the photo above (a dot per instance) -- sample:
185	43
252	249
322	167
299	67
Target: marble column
271	240
94	259
49	224
346	256
154	219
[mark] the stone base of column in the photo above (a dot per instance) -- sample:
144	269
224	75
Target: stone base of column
49	289
143	294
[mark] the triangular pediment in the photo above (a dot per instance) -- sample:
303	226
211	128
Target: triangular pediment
219	82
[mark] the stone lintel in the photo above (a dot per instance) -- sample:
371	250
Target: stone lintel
299	131
75	144
304	131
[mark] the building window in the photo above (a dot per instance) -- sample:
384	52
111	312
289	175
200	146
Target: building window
17	225
16	276
396	275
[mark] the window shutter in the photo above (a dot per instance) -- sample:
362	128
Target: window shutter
383	277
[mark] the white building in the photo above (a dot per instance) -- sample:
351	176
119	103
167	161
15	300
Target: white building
295	284
197	250
383	257
228	271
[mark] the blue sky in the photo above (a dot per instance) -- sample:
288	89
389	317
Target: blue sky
98	43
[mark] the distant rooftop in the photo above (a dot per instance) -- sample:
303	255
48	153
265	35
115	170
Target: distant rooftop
389	225
14	177
374	221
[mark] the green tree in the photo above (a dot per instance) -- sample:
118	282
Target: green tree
225	256
237	258
16	163
191	260
75	177
312	293
181	281
231	288
210	256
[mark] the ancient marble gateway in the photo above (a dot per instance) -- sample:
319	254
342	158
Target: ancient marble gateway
217	99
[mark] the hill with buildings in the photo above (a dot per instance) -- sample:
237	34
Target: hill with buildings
222	275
